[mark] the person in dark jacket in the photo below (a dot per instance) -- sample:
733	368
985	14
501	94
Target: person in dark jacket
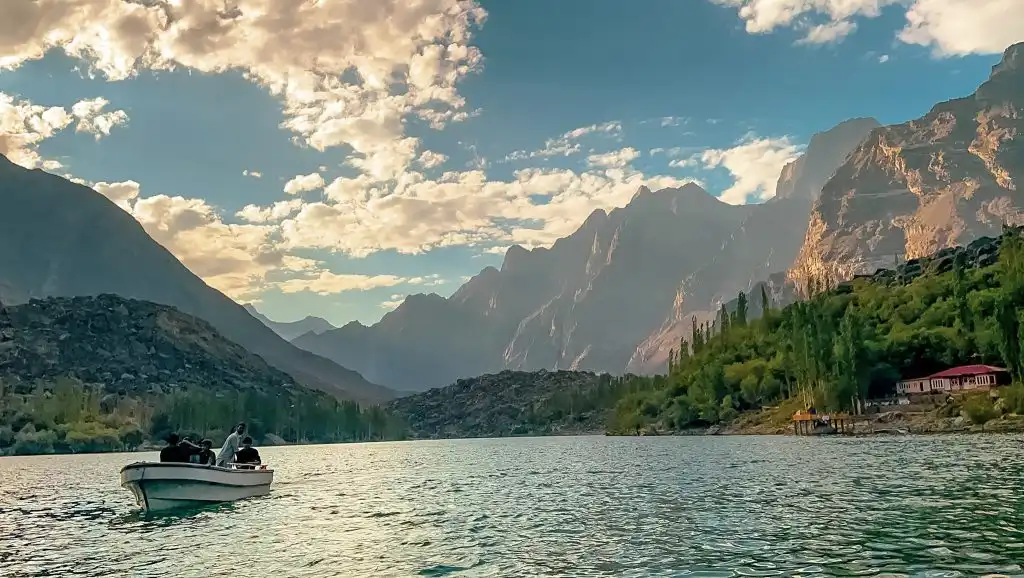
206	456
178	450
247	454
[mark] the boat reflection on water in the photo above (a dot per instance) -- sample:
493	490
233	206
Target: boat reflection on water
159	486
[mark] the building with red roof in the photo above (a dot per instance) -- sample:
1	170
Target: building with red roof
965	377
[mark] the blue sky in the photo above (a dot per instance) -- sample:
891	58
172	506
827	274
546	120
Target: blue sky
500	123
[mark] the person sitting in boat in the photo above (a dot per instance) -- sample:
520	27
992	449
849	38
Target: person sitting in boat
248	454
231	444
178	450
205	456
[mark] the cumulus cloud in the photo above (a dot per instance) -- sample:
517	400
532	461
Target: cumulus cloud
328	283
754	164
24	125
334	65
950	27
123	194
92	119
393	303
615	159
276	212
431	159
253	174
304	183
414	214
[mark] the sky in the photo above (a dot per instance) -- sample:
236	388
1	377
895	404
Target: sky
330	157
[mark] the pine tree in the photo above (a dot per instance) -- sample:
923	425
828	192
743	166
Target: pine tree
740	316
765	303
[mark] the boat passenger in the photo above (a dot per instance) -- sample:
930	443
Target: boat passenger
206	455
227	451
178	450
248	454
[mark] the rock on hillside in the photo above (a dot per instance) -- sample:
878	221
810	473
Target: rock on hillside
289	330
130	347
915	188
61	239
504	404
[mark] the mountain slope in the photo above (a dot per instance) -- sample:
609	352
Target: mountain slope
289	330
914	188
767	242
58	238
584	303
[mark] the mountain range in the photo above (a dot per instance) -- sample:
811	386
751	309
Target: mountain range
62	239
289	330
619	293
613	296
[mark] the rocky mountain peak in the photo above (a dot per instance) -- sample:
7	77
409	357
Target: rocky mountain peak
1012	61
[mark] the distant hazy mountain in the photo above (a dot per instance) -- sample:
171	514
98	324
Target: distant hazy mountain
585	303
914	188
58	238
804	177
291	329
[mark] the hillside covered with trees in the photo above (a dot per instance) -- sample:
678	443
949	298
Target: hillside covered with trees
104	373
836	347
842	345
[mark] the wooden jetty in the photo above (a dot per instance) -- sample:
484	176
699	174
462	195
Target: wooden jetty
807	423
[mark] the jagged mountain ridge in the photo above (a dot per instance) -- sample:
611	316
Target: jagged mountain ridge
289	330
61	239
915	188
584	303
767	243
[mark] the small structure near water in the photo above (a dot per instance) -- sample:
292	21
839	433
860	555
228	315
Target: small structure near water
963	378
810	422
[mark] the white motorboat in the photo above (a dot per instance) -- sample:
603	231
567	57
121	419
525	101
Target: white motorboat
165	485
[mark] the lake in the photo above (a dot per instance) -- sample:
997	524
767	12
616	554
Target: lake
577	506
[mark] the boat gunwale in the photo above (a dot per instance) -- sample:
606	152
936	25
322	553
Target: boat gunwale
204	467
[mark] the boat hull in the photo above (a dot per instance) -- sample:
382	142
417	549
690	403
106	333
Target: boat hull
162	486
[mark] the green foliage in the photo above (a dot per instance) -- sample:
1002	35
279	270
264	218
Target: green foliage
837	348
70	416
980	410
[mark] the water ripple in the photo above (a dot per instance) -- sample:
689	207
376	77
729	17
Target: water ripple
591	506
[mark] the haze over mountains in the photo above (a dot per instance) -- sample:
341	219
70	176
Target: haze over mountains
618	293
289	330
612	296
61	239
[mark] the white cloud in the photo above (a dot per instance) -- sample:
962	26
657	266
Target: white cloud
327	283
304	183
253	174
431	159
414	214
24	125
961	27
615	159
950	27
123	194
92	119
828	33
755	165
883	58
568	143
334	65
393	303
685	163
276	212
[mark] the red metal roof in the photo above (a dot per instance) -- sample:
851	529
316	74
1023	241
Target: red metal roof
968	370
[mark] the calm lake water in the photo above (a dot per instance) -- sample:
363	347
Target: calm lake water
586	506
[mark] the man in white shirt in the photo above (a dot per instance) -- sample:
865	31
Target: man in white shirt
231	444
